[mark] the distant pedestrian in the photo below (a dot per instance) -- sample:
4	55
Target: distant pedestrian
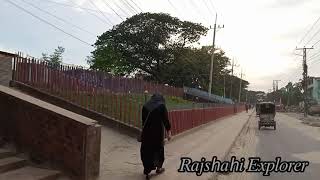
155	122
247	107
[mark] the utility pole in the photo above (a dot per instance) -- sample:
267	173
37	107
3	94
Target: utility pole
247	96
276	84
232	65
305	79
240	86
212	54
224	84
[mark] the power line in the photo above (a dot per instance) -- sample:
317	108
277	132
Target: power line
309	30
136	5
172	5
47	22
316	42
61	19
313	37
127	7
88	10
314	56
212	5
134	9
101	12
206	4
69	5
119	7
196	7
91	13
113	9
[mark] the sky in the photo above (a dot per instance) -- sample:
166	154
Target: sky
260	36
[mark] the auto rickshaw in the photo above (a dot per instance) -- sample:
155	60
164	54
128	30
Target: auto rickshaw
257	109
267	115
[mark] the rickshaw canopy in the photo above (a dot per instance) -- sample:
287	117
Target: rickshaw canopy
267	108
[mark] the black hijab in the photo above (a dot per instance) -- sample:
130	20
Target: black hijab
155	101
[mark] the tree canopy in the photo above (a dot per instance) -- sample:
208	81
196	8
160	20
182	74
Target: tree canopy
54	59
145	43
164	49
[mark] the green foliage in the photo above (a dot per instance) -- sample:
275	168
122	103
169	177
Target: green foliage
145	42
54	59
291	94
159	48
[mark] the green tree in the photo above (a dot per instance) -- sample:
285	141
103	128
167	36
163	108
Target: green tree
144	43
54	59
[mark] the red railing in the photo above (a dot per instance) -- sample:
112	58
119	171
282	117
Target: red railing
182	120
102	97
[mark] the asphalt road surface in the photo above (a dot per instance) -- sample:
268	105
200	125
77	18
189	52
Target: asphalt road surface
292	141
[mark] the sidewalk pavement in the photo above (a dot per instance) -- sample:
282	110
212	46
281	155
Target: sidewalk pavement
120	154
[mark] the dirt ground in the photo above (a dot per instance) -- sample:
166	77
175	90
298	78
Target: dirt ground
245	146
310	120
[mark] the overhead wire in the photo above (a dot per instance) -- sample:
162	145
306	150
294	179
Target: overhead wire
91	13
136	5
69	5
119	7
316	42
87	10
106	2
134	9
59	18
207	6
101	12
128	7
213	6
47	22
313	25
174	8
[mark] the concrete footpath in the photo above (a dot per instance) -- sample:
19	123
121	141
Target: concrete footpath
120	154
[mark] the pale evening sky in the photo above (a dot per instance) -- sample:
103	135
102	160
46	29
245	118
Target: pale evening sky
259	34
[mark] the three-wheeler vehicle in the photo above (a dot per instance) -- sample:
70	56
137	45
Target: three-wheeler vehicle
267	115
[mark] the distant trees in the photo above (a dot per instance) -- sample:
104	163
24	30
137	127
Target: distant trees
291	94
54	59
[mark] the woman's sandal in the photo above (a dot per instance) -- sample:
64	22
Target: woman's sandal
160	170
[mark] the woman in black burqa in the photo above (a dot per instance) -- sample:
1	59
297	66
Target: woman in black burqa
153	134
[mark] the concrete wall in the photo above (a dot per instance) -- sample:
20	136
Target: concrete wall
51	134
5	70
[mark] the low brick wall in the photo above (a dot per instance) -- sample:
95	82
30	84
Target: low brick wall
55	135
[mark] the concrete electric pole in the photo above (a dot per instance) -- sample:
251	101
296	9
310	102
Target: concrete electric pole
305	79
224	83
232	66
212	54
240	86
275	85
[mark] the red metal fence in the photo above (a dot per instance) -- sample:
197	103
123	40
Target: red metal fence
183	120
120	98
36	70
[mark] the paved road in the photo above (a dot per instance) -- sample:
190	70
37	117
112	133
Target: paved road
292	141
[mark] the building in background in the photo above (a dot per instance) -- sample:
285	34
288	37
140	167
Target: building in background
313	90
6	67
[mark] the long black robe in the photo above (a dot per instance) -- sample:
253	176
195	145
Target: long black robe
152	139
